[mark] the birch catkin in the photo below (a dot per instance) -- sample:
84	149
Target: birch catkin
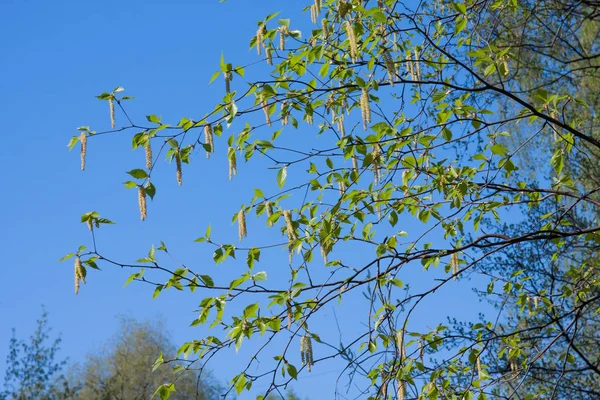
454	262
390	66
260	37
232	163
324	253
325	29
111	106
313	14
178	165
352	41
269	209
287	215
417	65
284	113
376	153
306	351
289	313
76	277
400	344
269	55
83	141
208	138
365	108
340	124
228	76
283	32
142	202
78	267
410	68
355	163
148	151
265	107
241	219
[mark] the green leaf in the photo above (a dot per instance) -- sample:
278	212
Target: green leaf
159	361
157	291
207	280
499	149
292	371
164	391
240	383
138	173
260	276
66	257
73	142
557	161
281	177
215	76
150	190
154	119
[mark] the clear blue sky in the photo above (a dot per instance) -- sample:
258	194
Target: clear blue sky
56	56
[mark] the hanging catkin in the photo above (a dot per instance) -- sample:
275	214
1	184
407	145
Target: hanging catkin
390	66
340	124
232	162
83	141
313	14
79	274
208	138
376	154
268	53
317	5
178	166
148	151
142	202
410	68
111	106
260	37
265	107
228	77
365	108
455	266
306	351
352	41
355	163
269	209
241	219
325	29
283	32
417	65
287	215
324	252
289	313
284	113
400	344
513	365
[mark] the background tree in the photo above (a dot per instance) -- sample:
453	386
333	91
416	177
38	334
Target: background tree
32	368
401	105
554	48
124	368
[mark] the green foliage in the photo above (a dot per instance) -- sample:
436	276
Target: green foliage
137	363
32	369
397	139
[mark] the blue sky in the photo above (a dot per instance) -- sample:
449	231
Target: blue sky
56	57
